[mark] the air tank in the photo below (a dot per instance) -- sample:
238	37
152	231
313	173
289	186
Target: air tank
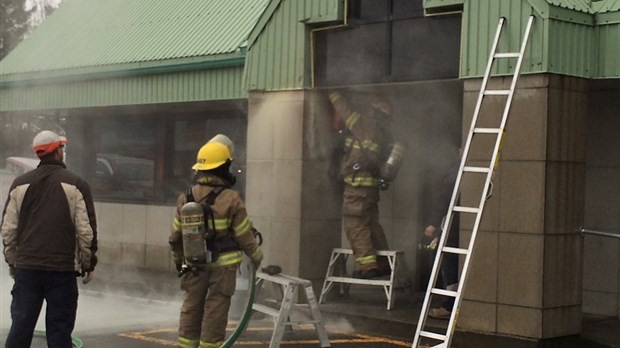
390	168
193	231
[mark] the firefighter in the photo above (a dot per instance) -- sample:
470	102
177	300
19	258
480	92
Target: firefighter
210	284
367	137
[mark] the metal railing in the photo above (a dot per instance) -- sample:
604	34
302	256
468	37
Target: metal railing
584	231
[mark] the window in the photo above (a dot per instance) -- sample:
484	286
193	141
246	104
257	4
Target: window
132	154
388	41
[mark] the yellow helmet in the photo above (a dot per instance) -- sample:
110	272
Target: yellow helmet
212	155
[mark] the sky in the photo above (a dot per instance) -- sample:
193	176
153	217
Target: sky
39	5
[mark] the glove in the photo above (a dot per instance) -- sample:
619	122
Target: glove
12	271
87	277
257	235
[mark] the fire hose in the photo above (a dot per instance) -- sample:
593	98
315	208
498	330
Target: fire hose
247	313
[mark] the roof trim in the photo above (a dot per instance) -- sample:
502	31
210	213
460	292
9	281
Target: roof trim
262	21
132	69
541	7
572	16
441	3
607	18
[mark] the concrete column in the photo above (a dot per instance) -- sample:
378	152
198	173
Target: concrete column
274	171
290	196
526	273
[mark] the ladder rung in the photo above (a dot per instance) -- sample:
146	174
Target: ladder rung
497	92
443	292
487	130
455	250
507	55
433	335
440	345
265	309
476	169
467	210
352	280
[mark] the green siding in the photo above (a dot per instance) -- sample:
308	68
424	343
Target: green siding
608	58
571	49
279	59
480	21
215	84
568	37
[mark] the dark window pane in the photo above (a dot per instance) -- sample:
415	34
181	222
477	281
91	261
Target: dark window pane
370	9
125	153
354	56
407	8
426	48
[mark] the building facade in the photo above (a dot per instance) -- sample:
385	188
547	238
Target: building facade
138	88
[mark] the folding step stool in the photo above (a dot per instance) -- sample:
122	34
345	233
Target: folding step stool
289	285
337	260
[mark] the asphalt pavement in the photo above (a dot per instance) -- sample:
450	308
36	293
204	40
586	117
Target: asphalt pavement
136	309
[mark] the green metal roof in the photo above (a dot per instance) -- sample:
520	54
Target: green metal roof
606	6
87	36
577	5
588	6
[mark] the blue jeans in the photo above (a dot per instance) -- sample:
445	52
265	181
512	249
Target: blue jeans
59	290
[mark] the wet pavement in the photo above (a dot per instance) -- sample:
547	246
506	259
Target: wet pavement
135	309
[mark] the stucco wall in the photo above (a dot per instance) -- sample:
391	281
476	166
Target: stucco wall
134	236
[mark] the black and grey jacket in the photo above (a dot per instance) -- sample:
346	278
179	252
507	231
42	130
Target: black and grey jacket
48	222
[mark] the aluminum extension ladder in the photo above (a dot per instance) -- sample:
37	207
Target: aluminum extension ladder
341	255
445	339
289	286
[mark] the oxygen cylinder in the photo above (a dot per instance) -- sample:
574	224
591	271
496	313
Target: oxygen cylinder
390	168
193	231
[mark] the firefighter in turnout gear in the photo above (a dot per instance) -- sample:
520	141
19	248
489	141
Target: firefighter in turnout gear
366	141
209	282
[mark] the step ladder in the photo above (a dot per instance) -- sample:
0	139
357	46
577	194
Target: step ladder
289	286
337	262
445	338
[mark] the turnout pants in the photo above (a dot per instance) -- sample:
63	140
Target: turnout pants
360	216
60	292
204	313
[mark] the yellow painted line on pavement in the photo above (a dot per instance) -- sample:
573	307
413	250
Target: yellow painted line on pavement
141	336
356	337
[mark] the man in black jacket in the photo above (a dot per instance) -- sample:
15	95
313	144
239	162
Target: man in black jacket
49	233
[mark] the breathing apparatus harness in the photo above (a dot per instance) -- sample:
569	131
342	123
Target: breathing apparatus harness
375	170
200	243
